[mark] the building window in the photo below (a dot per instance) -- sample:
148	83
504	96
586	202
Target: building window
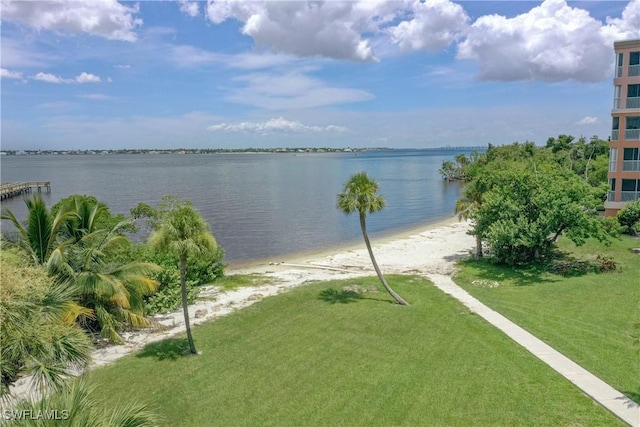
631	159
615	129
611	197
616	97
630	190
633	96
613	159
619	65
632	128
634	64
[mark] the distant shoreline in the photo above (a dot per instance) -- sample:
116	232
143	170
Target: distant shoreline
251	150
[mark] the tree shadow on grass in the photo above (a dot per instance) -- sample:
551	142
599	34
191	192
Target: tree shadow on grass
169	349
334	296
346	296
521	276
635	396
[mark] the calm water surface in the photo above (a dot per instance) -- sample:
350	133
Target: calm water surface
259	205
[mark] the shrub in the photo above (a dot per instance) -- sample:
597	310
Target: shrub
629	218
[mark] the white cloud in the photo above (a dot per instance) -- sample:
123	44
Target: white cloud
191	8
104	18
80	78
551	42
7	74
587	120
628	26
290	91
326	28
279	125
435	25
50	78
87	78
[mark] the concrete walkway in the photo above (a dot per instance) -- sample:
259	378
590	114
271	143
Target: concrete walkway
620	405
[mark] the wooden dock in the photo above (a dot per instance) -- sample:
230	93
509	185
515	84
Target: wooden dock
17	188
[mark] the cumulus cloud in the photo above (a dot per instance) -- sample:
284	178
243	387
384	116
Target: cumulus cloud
326	28
628	26
87	78
435	25
278	125
587	120
551	42
7	74
290	91
105	18
191	8
80	79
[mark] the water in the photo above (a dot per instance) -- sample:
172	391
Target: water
260	206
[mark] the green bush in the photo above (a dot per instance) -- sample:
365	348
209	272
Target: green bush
629	218
200	271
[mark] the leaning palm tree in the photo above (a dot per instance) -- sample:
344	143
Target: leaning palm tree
183	232
360	194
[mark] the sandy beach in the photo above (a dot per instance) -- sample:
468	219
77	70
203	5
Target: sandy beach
429	249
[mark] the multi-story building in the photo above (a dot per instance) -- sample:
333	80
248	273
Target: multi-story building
624	145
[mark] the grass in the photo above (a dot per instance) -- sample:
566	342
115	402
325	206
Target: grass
228	283
590	318
330	354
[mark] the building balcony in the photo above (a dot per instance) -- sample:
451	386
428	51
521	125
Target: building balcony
629	196
633	102
615	135
630	134
611	196
619	71
634	70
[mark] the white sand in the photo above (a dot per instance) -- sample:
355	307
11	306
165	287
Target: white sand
431	249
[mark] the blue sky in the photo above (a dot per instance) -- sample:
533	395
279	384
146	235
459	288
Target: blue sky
233	74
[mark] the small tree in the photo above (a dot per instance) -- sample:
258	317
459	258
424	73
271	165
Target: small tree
182	231
629	217
360	194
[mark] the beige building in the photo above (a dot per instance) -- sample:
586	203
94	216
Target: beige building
624	146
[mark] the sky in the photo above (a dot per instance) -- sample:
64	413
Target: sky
103	74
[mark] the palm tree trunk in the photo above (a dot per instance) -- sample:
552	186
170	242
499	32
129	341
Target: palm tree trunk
185	303
478	246
363	227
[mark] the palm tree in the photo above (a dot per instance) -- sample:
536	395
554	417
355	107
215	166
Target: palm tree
41	230
183	232
360	194
112	291
38	337
78	404
468	204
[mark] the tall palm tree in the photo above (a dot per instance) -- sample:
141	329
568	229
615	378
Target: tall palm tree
360	194
183	232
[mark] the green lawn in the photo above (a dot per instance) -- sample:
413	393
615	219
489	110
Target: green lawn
318	356
590	318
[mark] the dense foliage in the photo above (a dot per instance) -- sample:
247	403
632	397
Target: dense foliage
629	218
38	336
522	198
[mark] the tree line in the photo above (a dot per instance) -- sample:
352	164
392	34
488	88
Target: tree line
521	198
